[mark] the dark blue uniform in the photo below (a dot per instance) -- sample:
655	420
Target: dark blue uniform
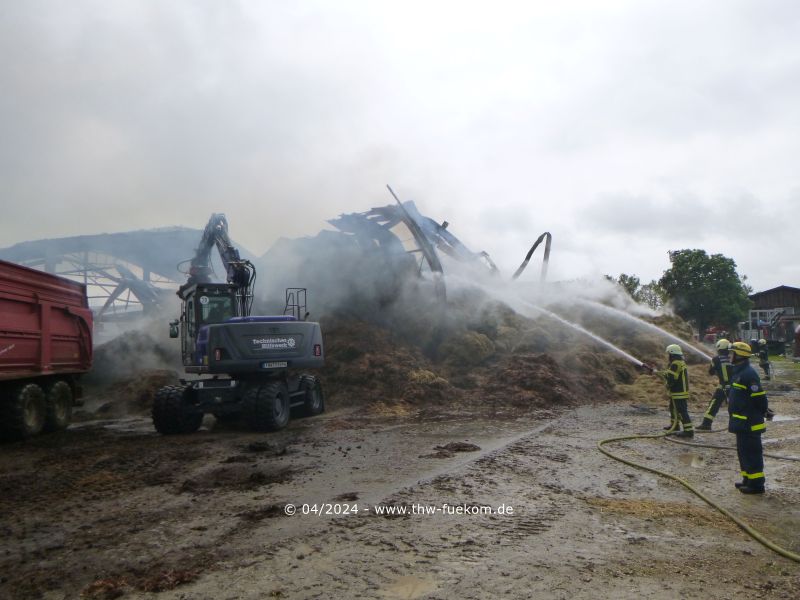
747	406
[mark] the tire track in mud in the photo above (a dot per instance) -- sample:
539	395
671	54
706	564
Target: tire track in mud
527	456
416	554
487	452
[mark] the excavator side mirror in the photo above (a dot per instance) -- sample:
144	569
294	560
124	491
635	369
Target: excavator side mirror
173	328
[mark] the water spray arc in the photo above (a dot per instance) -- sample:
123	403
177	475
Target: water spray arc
624	315
524	307
586	332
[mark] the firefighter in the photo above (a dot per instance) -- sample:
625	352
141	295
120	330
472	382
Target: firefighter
763	357
721	367
677	380
747	406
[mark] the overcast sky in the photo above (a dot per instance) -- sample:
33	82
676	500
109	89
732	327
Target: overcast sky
626	128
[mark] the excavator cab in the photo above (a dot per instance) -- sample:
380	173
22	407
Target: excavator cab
203	304
215	309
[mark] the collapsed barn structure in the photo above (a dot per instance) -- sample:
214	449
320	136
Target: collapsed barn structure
133	274
127	273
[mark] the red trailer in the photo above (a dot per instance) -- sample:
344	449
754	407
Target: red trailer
45	345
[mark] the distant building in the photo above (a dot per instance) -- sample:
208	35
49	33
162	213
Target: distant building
775	315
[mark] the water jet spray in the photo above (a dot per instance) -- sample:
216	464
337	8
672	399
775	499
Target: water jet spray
595	337
603	342
656	328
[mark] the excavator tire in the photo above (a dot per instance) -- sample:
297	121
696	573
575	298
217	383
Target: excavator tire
266	407
172	412
314	398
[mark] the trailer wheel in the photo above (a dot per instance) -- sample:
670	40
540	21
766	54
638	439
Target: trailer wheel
22	415
314	398
266	407
58	403
173	413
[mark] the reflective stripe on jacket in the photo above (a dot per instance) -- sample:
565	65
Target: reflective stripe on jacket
677	380
747	400
721	367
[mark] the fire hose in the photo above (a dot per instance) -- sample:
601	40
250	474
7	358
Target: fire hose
718	447
742	525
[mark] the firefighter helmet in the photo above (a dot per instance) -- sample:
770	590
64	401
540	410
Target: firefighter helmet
762	342
675	350
723	345
741	349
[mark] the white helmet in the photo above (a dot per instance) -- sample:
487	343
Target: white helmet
723	345
674	349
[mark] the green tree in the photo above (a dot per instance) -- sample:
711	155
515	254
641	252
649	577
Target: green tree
630	283
653	295
650	294
706	289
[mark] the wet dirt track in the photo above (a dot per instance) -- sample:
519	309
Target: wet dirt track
110	509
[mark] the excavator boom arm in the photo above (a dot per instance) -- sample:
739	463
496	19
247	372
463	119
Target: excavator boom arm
239	273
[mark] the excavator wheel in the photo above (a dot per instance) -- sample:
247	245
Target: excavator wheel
314	398
173	413
266	407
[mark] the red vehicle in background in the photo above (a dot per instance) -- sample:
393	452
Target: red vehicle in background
45	346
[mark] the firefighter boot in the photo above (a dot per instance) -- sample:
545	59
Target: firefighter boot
685	434
746	489
740	484
705	425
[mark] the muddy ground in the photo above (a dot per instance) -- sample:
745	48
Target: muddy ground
109	508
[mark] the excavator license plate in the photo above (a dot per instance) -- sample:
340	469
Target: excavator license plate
282	364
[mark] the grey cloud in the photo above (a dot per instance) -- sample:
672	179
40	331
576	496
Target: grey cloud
677	217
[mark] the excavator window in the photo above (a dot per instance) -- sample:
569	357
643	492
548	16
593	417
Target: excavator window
216	309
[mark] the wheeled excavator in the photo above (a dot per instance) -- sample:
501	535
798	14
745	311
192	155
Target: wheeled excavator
248	368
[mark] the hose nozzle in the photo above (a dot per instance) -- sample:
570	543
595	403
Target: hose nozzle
647	368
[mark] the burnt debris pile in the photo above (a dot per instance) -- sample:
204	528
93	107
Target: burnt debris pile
394	334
